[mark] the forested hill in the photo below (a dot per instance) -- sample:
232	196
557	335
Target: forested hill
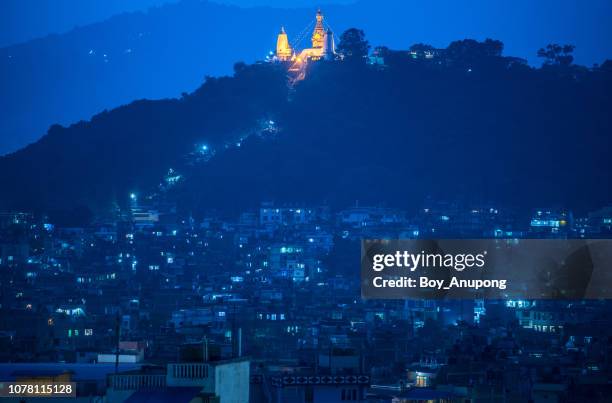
97	163
466	122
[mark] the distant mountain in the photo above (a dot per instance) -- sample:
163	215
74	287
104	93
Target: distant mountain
477	126
23	20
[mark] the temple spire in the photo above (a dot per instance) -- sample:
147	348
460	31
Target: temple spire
318	35
283	49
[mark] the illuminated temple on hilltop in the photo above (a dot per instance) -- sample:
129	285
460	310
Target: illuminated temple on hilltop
322	40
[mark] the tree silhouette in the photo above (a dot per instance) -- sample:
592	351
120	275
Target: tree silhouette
239	67
353	45
470	50
557	55
606	66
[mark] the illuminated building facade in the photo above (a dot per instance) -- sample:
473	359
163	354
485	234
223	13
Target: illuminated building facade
322	40
318	35
283	49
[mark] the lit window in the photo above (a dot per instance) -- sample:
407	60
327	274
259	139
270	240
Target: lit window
421	381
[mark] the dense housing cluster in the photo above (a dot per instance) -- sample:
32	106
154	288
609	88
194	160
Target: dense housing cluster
272	297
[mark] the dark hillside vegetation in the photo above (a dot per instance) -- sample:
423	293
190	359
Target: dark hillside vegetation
467	123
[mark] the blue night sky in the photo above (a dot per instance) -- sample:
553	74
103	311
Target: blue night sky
183	52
